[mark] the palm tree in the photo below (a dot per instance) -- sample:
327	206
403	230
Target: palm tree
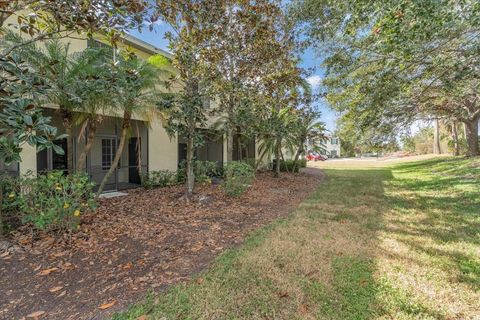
306	130
55	66
135	83
94	92
74	84
274	126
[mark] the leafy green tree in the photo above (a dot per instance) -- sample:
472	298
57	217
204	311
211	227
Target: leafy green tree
276	108
50	19
245	37
391	63
192	23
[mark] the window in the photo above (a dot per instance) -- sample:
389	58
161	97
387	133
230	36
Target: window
109	147
91	43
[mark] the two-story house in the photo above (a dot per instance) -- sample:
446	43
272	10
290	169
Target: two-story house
149	147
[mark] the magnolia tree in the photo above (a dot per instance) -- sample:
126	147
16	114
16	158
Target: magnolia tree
192	23
245	40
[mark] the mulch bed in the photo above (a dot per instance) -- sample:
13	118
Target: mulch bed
145	241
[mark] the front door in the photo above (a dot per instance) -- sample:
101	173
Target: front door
133	149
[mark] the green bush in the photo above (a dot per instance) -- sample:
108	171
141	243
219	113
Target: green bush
238	177
9	185
161	178
250	161
52	202
203	170
287	165
302	163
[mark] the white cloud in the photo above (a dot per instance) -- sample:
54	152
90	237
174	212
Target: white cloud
314	81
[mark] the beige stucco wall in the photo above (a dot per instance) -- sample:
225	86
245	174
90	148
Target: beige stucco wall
29	159
162	151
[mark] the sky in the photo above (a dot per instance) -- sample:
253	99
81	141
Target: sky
309	61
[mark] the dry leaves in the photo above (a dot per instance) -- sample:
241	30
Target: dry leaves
108	305
55	289
47	271
36	314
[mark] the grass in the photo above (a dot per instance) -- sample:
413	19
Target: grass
381	241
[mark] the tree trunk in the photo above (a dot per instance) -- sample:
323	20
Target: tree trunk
67	124
230	104
436	137
300	151
471	134
189	168
456	146
92	129
139	153
278	149
2	237
229	144
283	160
125	127
260	158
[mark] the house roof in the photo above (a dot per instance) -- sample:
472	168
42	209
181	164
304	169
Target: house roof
145	46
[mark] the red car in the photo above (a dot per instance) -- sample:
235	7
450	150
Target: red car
315	157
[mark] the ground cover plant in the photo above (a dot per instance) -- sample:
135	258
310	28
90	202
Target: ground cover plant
48	202
238	177
377	241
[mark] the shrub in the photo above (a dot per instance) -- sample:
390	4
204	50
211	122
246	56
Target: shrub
203	170
238	177
161	178
250	161
302	163
9	185
52	201
288	165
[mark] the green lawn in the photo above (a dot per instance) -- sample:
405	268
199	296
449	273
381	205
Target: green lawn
392	242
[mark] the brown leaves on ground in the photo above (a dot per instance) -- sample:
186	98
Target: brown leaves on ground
147	240
47	271
107	305
55	289
36	314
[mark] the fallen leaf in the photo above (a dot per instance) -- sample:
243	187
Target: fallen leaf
59	254
36	314
144	317
55	289
108	305
62	293
47	271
